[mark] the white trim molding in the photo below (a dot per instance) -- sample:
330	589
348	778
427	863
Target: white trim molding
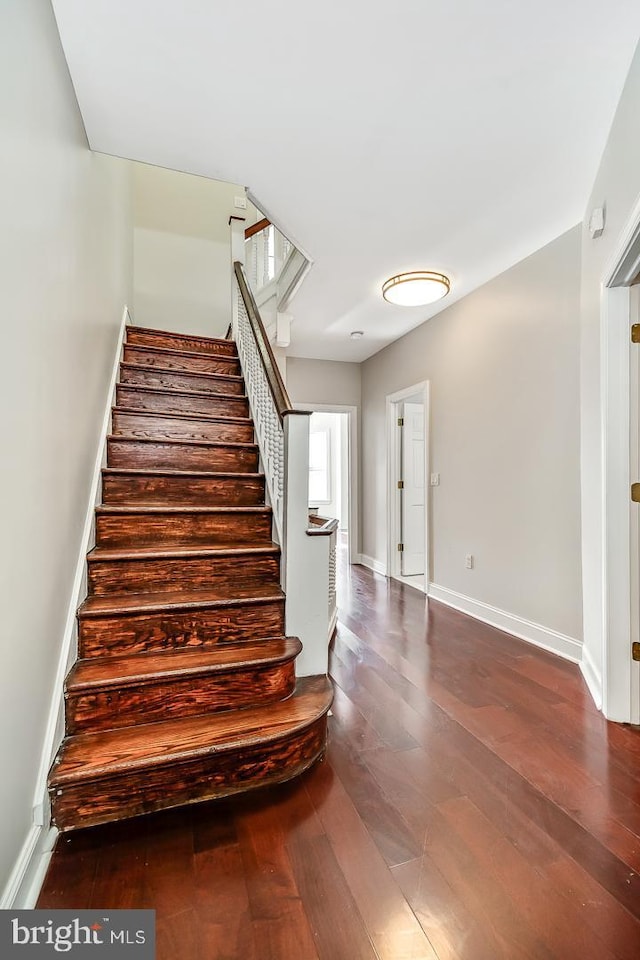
566	647
23	886
592	677
372	564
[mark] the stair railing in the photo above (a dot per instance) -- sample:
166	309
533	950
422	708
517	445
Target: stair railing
282	435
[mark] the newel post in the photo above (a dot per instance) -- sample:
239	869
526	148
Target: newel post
236	243
305	558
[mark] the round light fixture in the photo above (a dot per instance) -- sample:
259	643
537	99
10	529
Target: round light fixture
357	334
416	289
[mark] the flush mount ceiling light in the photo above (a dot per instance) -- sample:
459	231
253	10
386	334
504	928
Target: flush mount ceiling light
357	334
416	289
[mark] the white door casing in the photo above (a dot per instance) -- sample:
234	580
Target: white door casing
620	520
419	393
412	494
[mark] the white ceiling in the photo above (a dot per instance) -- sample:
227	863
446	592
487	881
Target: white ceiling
449	135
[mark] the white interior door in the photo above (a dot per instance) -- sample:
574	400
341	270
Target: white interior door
412	499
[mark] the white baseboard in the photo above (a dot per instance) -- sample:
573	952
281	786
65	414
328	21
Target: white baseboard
373	564
23	886
32	850
535	633
592	677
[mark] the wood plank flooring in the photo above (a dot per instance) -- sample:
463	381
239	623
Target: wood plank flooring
472	805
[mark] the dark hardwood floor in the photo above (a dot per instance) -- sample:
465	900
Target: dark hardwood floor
472	805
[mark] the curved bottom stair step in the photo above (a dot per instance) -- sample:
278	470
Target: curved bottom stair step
116	691
99	777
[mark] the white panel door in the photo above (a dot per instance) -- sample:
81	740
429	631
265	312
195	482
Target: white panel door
413	491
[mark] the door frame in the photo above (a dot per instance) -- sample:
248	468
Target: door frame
393	458
620	466
353	467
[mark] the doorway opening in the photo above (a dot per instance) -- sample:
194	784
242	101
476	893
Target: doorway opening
329	470
333	471
408	506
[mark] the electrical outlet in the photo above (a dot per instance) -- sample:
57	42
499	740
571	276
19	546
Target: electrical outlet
468	561
435	479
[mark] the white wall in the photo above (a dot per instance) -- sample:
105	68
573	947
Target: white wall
182	278
503	368
616	188
323	381
65	277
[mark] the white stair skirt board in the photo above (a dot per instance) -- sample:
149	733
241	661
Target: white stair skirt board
23	886
566	647
376	565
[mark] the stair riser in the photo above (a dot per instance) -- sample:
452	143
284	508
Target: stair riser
157	402
173	361
179	630
166	380
169	456
168	341
161	786
181	573
193	528
167	428
147	702
183	491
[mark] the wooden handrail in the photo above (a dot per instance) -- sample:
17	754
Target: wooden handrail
319	527
256	228
276	385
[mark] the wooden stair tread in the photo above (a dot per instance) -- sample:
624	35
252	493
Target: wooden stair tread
120	437
90	756
159	371
218	418
157	551
126	509
135	328
148	348
174	600
195	474
120	670
173	392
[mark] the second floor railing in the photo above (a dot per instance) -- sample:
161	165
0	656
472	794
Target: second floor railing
266	252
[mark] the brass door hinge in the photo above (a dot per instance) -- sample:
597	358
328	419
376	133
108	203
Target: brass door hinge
635	492
400	484
635	333
401	421
635	651
401	547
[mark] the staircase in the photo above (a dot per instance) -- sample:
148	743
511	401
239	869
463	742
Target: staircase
185	686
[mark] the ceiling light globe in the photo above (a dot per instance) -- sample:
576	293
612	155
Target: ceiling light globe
416	289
